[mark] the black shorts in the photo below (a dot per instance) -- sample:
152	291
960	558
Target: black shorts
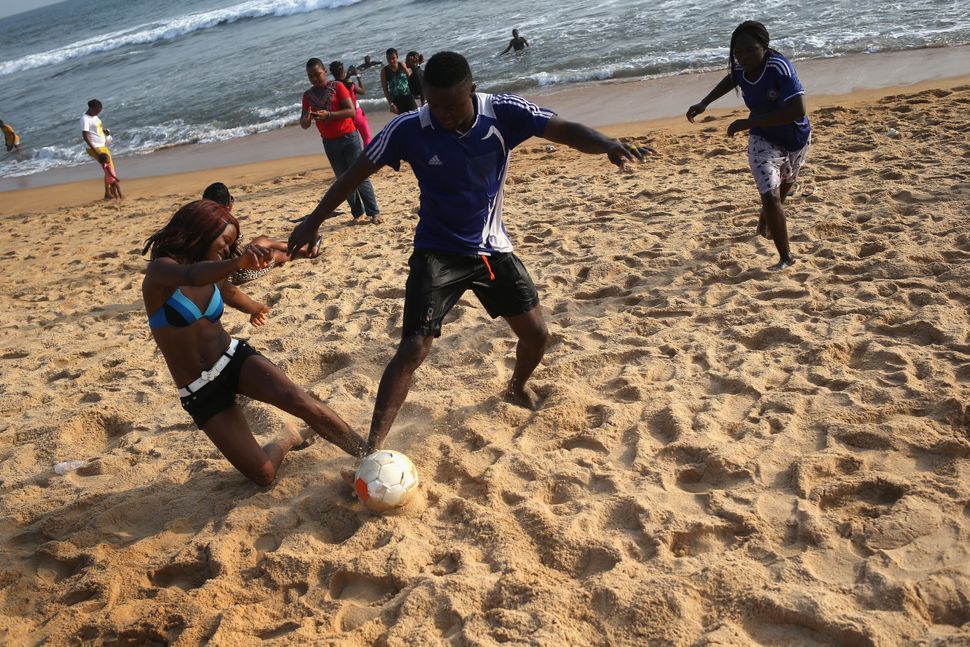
404	103
220	393
438	280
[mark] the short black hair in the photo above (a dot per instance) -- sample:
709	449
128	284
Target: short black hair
94	103
446	70
217	192
390	50
314	62
334	66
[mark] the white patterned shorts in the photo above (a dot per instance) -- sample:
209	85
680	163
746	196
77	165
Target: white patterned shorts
772	165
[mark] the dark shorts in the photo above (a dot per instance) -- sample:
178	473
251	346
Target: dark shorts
404	103
438	280
220	393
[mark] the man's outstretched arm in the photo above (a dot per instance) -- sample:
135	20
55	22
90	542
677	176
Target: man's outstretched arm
343	186
586	140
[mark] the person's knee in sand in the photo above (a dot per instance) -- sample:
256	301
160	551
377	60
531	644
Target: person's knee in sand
184	291
779	132
460	242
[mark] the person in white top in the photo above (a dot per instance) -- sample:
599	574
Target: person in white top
97	138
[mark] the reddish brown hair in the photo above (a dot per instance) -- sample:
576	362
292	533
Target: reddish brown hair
191	231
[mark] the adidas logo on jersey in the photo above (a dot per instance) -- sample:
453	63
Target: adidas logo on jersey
434	161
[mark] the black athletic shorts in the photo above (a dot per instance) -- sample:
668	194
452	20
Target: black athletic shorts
438	280
404	103
220	393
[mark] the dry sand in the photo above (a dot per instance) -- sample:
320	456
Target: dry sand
724	456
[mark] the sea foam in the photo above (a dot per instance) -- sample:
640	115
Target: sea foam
168	30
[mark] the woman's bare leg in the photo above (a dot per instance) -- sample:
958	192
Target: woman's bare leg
230	432
261	380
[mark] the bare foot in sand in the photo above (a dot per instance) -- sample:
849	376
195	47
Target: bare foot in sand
297	438
763	229
783	264
521	396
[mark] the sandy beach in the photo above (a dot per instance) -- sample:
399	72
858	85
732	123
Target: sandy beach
723	455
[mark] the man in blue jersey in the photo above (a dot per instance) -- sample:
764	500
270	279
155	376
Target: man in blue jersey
458	146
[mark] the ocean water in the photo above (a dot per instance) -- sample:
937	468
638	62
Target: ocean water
178	72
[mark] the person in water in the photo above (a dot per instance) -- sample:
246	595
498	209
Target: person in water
778	130
185	290
518	43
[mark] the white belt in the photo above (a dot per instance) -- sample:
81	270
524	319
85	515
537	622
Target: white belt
212	373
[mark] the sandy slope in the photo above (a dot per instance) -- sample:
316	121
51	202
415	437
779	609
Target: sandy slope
724	456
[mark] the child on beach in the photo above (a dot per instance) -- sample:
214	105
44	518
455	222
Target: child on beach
110	179
184	290
219	193
779	132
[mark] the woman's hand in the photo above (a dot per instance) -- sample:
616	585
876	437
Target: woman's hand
695	110
258	318
392	107
254	257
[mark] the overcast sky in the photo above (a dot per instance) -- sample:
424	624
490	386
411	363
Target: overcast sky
10	7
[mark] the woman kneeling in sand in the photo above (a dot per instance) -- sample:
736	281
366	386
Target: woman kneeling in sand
184	290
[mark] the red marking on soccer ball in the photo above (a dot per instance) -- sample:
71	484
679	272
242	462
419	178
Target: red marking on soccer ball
361	488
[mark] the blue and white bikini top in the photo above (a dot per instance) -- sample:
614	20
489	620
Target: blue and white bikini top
179	311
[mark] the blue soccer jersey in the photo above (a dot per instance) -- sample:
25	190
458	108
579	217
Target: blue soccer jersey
776	84
460	175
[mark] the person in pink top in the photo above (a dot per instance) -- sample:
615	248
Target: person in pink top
351	81
110	179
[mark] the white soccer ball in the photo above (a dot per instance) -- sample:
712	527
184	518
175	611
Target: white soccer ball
386	480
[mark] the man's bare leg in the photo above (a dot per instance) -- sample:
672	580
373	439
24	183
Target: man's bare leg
533	336
394	387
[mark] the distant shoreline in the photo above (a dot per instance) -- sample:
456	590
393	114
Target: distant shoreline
604	104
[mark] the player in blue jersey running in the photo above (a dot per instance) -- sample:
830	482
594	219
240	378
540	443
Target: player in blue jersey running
778	130
458	146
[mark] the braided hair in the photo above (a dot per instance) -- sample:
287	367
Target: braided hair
191	231
754	30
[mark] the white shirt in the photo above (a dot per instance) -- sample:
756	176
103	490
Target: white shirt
92	126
